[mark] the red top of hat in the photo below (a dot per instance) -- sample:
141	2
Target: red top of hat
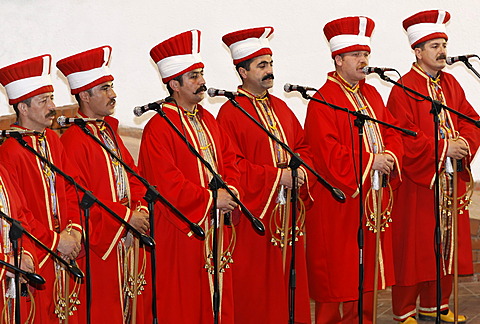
27	78
248	43
349	34
428	19
184	51
87	69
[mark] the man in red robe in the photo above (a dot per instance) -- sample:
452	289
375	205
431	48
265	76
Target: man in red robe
262	263
332	248
184	264
116	253
415	264
13	204
52	200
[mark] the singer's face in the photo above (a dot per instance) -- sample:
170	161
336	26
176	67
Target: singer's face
40	114
259	77
101	101
350	65
433	56
192	91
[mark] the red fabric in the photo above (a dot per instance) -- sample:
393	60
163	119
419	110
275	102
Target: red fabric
181	44
25	69
404	298
414	208
348	26
241	35
17	209
86	61
428	16
259	280
94	163
332	249
183	288
329	313
25	168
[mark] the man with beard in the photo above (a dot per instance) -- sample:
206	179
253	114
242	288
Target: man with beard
52	200
116	253
184	274
332	248
262	263
458	140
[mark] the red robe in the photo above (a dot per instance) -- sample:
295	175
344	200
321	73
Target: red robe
260	285
17	208
332	249
26	168
414	231
107	260
183	285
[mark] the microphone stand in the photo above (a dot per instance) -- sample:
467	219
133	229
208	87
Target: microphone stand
437	106
87	201
469	65
151	196
294	164
215	184
16	231
359	123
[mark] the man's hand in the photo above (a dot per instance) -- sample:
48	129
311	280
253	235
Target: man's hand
286	178
139	221
225	202
383	163
69	244
27	263
457	149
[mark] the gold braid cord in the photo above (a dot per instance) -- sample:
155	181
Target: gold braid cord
225	257
60	293
370	208
65	301
446	208
8	311
132	283
277	221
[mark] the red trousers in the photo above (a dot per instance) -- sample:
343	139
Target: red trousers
404	298
329	313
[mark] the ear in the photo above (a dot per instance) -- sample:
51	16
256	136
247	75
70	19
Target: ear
174	84
243	72
418	52
22	108
84	96
338	60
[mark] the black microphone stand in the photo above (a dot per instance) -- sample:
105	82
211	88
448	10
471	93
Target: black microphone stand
469	65
294	164
151	196
437	106
215	184
87	201
16	231
359	123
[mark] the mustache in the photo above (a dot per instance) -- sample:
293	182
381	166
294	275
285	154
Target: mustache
442	57
268	76
203	88
50	113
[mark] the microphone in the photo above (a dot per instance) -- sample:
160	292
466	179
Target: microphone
64	121
372	69
463	58
212	92
20	132
140	110
293	87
